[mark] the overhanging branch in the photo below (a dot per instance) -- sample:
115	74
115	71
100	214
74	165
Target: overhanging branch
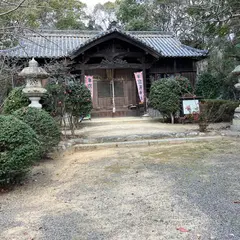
12	10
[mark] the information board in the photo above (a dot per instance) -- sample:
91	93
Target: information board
191	106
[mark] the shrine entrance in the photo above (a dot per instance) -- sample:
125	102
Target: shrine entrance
115	97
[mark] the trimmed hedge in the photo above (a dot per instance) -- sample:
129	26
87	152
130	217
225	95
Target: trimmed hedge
15	100
43	124
221	110
19	148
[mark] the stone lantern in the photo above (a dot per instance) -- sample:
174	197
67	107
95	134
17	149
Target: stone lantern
34	75
236	120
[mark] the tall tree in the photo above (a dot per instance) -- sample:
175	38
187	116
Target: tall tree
133	15
19	16
196	22
104	14
58	14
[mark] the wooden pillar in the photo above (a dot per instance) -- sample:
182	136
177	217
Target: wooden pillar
145	87
175	66
83	69
82	74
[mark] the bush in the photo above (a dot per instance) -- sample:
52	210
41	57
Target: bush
74	99
220	110
78	99
208	86
19	148
15	100
184	86
43	124
53	100
165	95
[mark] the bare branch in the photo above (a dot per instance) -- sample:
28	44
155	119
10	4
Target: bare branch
12	10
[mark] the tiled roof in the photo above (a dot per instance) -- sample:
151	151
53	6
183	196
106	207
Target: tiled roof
58	44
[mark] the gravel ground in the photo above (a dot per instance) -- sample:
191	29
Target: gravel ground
130	193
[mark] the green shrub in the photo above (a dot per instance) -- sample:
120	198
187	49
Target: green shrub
15	100
74	99
220	110
165	95
208	86
184	85
78	100
19	148
53	100
43	124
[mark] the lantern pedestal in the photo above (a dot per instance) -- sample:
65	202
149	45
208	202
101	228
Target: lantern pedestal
35	96
35	102
236	119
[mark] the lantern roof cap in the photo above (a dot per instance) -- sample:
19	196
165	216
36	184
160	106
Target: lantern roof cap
33	70
236	70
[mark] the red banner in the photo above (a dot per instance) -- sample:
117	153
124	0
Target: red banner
89	84
139	81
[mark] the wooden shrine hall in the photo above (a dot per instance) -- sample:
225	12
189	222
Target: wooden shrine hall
111	58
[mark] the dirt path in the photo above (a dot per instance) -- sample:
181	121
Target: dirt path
129	193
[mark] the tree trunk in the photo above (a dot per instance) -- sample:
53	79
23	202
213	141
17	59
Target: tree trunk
172	118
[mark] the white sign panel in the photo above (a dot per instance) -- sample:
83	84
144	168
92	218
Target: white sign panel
191	106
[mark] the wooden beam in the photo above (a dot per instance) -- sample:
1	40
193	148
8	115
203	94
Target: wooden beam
98	66
116	54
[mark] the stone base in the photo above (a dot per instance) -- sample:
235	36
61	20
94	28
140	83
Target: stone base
235	125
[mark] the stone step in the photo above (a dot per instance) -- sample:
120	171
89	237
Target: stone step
151	142
137	138
118	120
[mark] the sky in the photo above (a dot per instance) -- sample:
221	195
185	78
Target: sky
92	3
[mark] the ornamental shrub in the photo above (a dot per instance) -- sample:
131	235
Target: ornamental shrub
68	102
208	86
165	94
15	100
184	85
164	97
43	124
73	98
220	110
19	148
53	100
78	100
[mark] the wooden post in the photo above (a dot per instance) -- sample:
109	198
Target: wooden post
175	66
82	74
83	70
113	93
145	87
